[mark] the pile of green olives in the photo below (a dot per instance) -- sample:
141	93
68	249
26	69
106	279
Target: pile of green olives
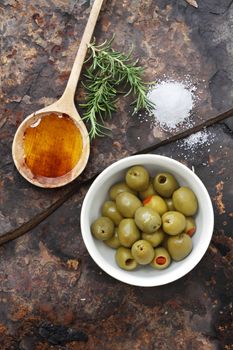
149	221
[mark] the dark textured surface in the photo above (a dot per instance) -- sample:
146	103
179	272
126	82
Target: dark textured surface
52	295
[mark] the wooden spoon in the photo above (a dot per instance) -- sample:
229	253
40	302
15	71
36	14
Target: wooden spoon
64	107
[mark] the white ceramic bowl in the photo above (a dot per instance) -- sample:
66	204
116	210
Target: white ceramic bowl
146	276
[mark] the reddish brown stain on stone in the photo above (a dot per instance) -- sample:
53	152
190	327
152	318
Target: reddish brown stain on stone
3	328
19	314
73	264
219	198
64	75
105	23
68	317
46	308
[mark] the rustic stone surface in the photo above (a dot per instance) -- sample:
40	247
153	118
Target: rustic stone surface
39	44
51	292
50	287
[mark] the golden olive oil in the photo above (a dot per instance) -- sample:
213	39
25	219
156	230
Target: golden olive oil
52	145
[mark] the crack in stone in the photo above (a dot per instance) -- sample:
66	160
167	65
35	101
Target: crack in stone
10	235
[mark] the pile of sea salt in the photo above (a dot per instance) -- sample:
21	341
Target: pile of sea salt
197	140
174	102
196	143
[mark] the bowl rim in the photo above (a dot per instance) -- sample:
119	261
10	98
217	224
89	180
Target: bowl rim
118	166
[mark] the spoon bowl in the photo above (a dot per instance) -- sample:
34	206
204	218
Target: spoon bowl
72	165
60	109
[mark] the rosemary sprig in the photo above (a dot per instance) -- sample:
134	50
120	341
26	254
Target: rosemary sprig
108	71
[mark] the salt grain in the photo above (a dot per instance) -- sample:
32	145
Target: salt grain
173	103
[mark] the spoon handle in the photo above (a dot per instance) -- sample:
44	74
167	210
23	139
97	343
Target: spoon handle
80	57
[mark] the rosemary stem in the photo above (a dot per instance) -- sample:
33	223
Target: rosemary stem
107	69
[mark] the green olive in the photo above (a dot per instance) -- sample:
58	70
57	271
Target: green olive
161	259
102	228
137	178
165	184
113	242
127	204
148	192
109	209
128	232
170	205
179	246
173	222
125	259
156	203
142	252
147	219
119	188
155	238
190	227
185	201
